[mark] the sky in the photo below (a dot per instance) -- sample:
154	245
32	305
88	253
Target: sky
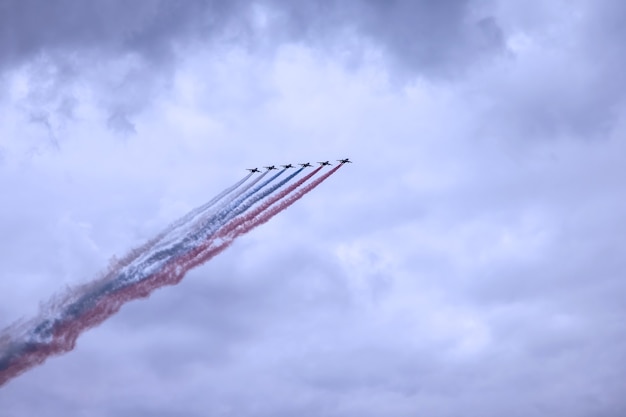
467	263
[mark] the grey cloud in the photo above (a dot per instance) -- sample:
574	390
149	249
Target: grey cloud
433	38
566	81
423	34
147	27
66	40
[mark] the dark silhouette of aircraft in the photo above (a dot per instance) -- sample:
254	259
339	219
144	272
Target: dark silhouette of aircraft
271	167
324	163
343	161
287	166
253	169
306	164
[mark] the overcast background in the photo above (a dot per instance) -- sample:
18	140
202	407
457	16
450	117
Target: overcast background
470	262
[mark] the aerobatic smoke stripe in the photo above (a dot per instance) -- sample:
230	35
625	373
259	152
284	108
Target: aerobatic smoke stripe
209	227
255	199
208	237
205	217
64	334
86	295
208	209
175	270
251	222
222	209
135	253
89	295
133	273
244	224
198	215
80	305
253	219
209	246
116	279
225	216
198	210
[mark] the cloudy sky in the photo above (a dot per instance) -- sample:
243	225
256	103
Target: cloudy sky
470	262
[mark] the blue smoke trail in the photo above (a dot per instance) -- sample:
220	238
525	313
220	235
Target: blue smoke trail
201	213
192	214
141	269
152	260
58	332
131	274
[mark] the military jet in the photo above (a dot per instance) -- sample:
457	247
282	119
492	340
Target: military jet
253	169
324	163
306	164
287	166
271	167
343	161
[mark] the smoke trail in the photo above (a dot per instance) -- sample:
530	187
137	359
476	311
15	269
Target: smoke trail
235	209
201	212
116	265
161	248
169	247
169	275
61	334
87	295
198	210
137	272
226	235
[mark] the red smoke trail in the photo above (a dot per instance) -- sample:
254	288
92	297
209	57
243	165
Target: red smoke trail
116	265
189	217
66	333
244	224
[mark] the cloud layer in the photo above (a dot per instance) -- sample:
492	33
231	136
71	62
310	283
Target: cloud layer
469	262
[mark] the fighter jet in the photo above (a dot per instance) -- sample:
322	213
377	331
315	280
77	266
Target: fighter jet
253	169
306	164
324	163
343	161
287	166
271	167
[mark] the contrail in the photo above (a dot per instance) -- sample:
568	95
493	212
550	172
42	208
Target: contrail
238	208
201	213
173	273
261	215
94	303
198	210
135	253
87	295
187	242
151	260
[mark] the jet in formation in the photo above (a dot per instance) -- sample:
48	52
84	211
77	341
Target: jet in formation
303	165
